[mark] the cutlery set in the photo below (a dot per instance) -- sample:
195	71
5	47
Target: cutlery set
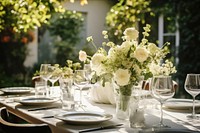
100	128
42	108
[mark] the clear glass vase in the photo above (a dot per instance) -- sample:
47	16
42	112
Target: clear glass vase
123	96
122	106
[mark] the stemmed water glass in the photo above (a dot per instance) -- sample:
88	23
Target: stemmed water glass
162	89
88	70
192	86
80	80
55	75
45	74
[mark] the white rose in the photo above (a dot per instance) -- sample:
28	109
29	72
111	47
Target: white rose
82	55
141	54
122	77
126	46
97	60
131	34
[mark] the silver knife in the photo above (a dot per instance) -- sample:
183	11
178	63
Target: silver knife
42	108
99	128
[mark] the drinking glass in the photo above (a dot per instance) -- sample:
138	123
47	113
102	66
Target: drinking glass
162	89
192	86
67	93
40	89
88	69
55	75
45	74
80	80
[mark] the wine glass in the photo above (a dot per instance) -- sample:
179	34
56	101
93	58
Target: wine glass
55	75
88	69
192	86
80	80
45	74
162	89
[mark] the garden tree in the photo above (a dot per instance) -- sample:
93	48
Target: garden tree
65	32
187	14
22	15
17	19
124	14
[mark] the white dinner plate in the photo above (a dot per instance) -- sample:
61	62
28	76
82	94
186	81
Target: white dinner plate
181	104
84	118
17	90
37	101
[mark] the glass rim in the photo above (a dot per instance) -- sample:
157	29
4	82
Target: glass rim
161	76
193	74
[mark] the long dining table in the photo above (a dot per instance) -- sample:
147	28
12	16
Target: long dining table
176	120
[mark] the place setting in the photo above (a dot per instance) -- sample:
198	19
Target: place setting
36	101
83	118
181	105
11	94
17	90
191	106
32	103
88	121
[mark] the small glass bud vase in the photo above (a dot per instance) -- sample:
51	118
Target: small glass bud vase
136	113
123	96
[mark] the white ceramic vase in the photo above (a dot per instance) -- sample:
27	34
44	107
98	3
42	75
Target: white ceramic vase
103	94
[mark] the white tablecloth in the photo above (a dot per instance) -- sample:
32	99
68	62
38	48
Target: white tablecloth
175	120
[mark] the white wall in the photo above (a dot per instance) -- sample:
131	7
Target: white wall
95	11
32	56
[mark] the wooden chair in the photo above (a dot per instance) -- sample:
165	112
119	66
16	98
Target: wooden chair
8	125
145	85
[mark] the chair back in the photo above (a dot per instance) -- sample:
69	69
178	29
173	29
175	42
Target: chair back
6	126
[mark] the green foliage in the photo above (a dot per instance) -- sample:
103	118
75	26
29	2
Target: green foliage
22	15
67	28
189	54
17	18
13	51
126	13
67	25
169	9
186	13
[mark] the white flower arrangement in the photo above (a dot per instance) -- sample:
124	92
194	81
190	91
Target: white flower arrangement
66	71
125	63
